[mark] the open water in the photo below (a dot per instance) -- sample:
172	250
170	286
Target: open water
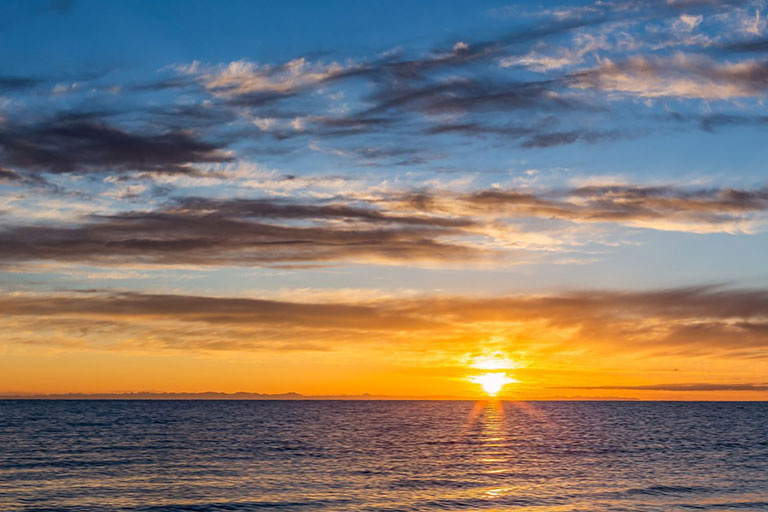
163	456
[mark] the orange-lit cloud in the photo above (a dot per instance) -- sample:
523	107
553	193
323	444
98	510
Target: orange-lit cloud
693	321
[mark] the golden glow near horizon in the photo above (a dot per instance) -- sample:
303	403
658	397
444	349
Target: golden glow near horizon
106	359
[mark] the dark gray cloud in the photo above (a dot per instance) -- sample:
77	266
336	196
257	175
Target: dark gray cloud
546	140
605	203
8	175
263	208
398	228
749	46
15	83
397	67
713	122
470	96
241	232
88	146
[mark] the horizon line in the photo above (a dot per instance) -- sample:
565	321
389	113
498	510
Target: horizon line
294	396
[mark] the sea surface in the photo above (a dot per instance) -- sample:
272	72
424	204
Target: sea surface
162	456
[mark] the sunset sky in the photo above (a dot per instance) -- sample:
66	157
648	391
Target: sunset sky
385	197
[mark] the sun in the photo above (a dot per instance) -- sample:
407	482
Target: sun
492	382
495	366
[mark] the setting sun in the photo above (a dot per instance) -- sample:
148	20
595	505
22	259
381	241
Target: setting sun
492	382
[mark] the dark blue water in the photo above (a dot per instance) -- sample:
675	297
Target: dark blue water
382	456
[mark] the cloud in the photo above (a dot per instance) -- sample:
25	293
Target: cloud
696	322
15	83
752	45
255	208
89	146
389	226
245	233
461	54
241	78
681	75
214	310
471	95
395	109
8	175
754	25
687	22
402	89
713	122
660	207
683	387
532	135
548	140
263	107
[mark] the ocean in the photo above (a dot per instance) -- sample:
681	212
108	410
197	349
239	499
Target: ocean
163	456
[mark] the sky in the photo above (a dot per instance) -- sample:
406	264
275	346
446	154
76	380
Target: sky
392	198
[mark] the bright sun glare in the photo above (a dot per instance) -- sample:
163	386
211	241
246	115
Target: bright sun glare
492	382
494	364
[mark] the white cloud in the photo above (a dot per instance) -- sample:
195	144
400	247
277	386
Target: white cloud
753	25
244	77
687	22
681	75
